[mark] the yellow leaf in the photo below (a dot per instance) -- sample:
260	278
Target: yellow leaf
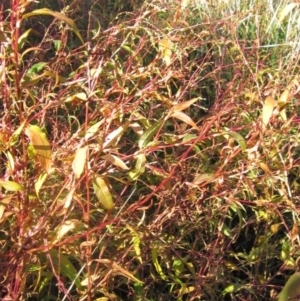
268	109
136	242
116	161
294	232
287	9
68	200
185	118
93	130
203	178
11	186
10	162
185	3
113	137
184	105
265	168
39	183
283	98
103	194
165	47
79	161
159	270
64	228
41	145
275	228
4	201
77	97
46	11
115	268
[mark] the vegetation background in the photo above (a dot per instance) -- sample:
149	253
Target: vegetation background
149	150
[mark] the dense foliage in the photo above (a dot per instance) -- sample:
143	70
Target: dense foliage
149	150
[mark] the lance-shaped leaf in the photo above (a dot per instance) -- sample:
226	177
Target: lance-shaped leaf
48	12
41	145
116	269
185	118
103	194
184	105
3	37
80	96
66	268
112	138
165	47
238	138
39	183
159	270
3	203
136	240
282	102
66	227
286	10
268	109
79	161
291	290
139	168
93	130
116	161
11	186
203	178
148	134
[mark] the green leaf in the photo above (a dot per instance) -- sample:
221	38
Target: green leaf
177	266
232	288
39	183
27	81
127	48
46	11
103	194
235	287
23	38
41	146
285	251
291	290
11	186
136	242
226	231
139	168
57	44
148	134
154	256
62	264
36	68
238	138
